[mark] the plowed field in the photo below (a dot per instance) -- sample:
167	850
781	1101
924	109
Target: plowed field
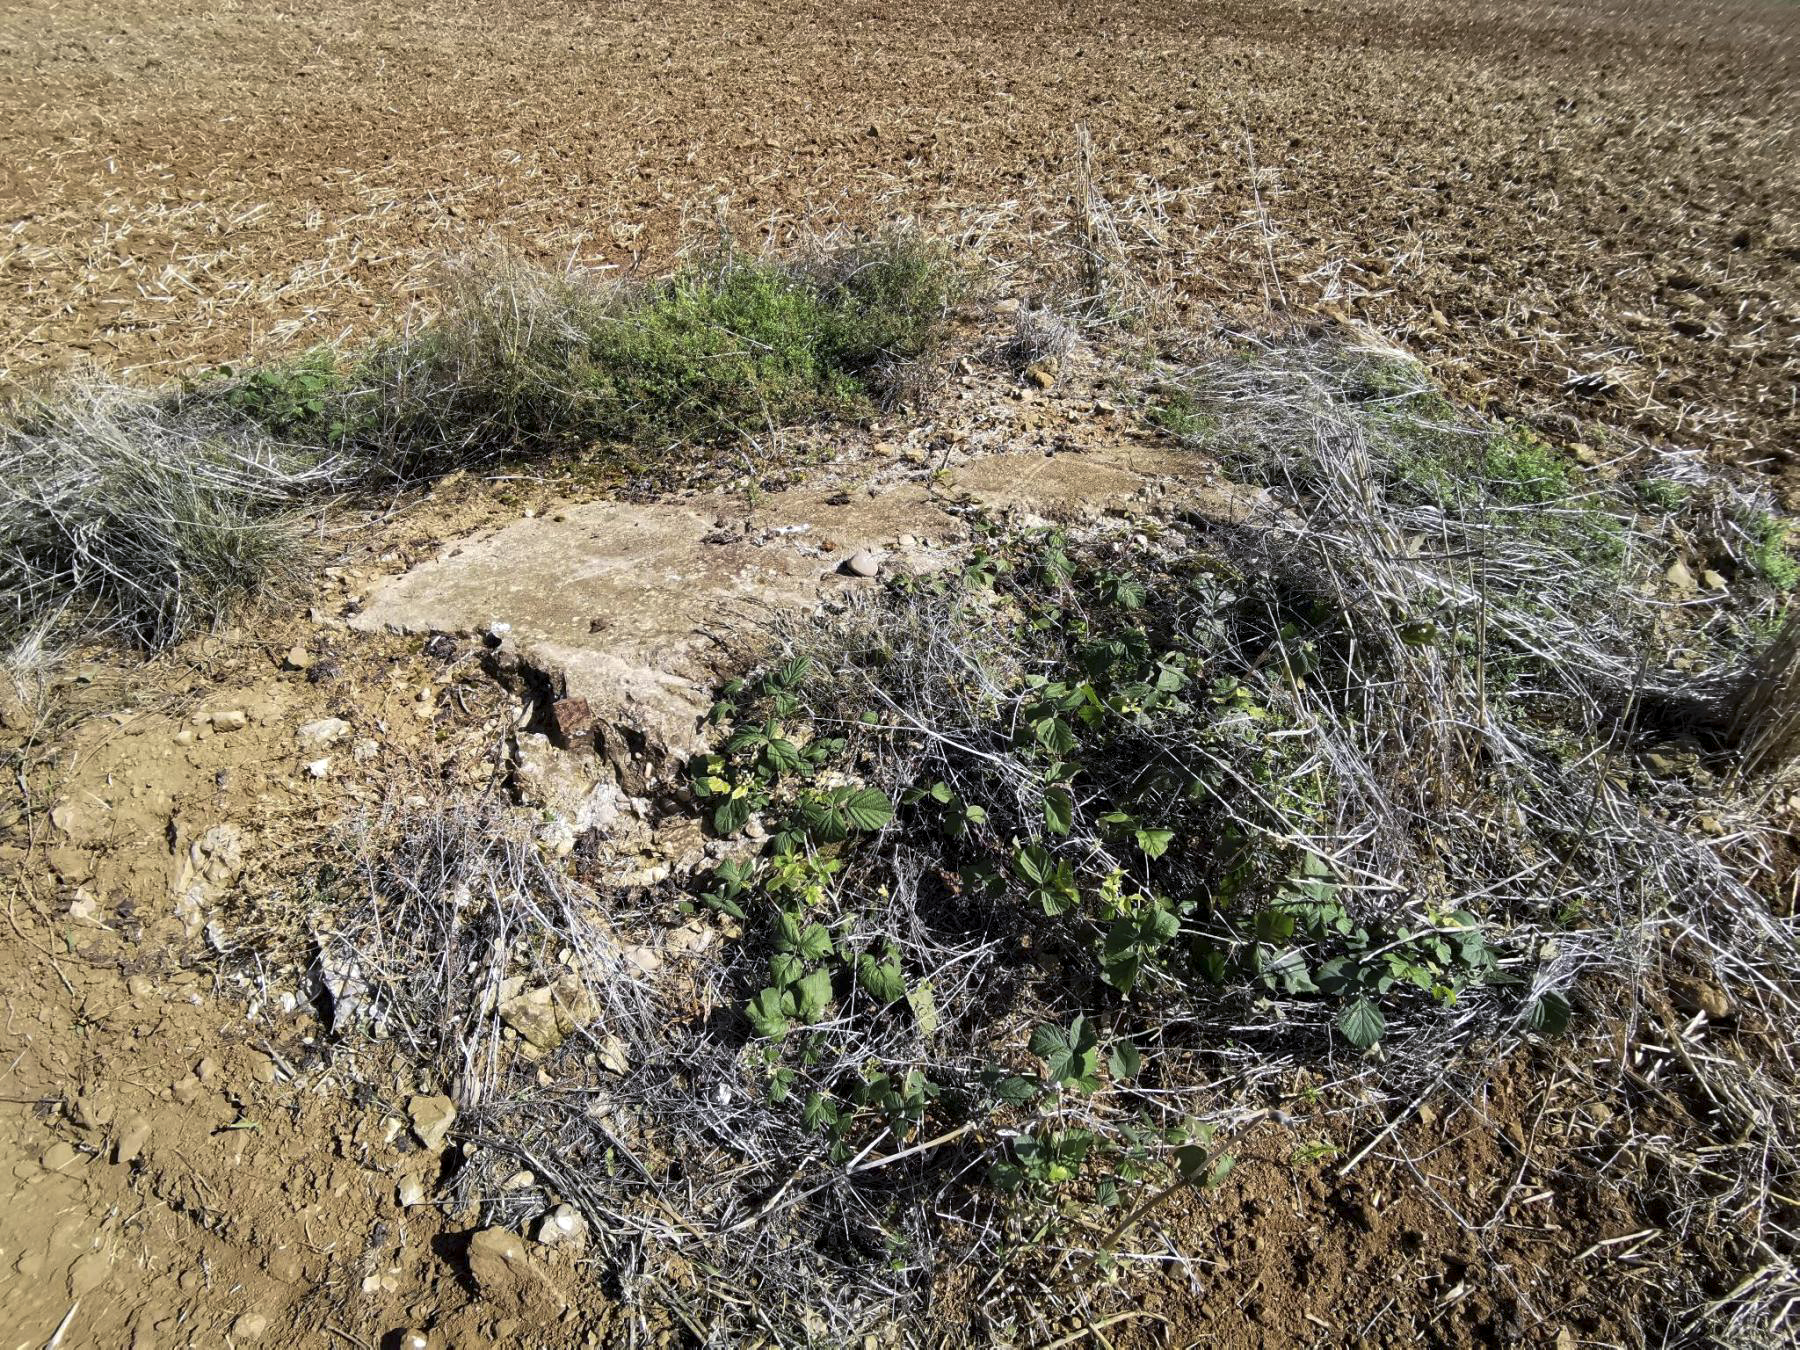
1586	207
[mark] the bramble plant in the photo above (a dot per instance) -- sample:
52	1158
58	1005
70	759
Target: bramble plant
1159	878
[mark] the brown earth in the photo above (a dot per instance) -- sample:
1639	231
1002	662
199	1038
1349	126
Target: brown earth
1566	208
187	1150
1563	208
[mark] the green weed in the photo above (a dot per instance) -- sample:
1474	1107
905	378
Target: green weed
294	400
1663	494
728	348
1771	555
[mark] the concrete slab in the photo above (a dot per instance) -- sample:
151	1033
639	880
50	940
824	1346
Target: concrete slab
637	608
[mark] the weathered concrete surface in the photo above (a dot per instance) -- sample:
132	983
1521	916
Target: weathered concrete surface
633	607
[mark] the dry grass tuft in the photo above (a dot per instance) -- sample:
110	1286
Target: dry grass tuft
119	517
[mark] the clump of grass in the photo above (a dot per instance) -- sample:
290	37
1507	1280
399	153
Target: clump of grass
728	348
1041	334
1770	555
1261	409
120	516
1257	409
426	915
1666	495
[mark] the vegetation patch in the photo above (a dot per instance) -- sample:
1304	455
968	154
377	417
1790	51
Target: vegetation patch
1771	552
728	349
120	517
1026	858
154	515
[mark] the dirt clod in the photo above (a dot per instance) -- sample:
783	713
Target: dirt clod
432	1117
497	1260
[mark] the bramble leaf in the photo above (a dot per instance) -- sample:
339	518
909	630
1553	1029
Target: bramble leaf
1073	1056
1362	1023
732	815
812	994
1125	1060
768	1012
883	981
1550	1014
1155	843
867	809
820	1112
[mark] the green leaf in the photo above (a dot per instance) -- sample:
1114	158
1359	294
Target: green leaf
794	673
1034	864
1052	879
1337	975
1289	969
924	1007
725	905
1059	811
1017	1091
1274	925
809	943
1060	896
782	756
812	994
1073	1056
1191	1160
747	738
866	809
732	815
1549	1015
1055	736
1155	843
1125	1060
820	1112
1121	970
883	981
785	968
768	1013
1362	1023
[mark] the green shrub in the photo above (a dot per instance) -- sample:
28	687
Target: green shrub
1521	469
1177	413
1663	494
727	348
294	400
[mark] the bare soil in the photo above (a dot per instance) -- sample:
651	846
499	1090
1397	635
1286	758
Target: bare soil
1564	207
